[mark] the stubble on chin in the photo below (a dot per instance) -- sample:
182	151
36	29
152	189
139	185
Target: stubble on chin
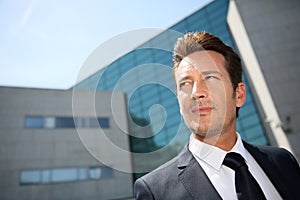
194	127
204	132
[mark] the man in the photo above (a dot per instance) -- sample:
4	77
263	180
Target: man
208	77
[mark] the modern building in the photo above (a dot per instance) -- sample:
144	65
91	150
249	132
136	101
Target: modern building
122	120
43	157
144	74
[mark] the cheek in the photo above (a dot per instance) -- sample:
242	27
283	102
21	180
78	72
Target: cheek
221	92
183	100
181	96
218	95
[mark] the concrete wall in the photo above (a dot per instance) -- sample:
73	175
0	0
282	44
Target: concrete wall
34	148
273	29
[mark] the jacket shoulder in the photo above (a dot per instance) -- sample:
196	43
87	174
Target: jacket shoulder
163	173
275	153
160	183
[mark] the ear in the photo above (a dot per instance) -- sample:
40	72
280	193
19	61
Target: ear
240	95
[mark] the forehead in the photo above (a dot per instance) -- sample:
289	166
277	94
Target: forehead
202	61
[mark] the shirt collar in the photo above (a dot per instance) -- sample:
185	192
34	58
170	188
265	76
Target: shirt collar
212	155
239	148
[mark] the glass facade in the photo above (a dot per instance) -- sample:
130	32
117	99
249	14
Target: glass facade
142	101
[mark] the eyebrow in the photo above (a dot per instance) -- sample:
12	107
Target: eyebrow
211	72
204	73
185	78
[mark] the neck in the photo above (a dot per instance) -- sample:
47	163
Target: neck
225	140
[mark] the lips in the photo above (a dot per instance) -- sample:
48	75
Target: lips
203	110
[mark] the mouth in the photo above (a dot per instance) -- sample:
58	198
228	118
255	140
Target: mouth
203	110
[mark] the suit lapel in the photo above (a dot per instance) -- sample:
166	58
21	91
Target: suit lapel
269	167
193	177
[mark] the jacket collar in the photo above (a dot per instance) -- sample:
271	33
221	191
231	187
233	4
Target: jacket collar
198	185
269	167
194	179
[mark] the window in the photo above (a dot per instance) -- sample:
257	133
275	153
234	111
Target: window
66	122
34	122
104	122
63	175
95	173
30	177
46	176
82	173
107	172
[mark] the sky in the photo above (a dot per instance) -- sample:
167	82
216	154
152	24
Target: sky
44	44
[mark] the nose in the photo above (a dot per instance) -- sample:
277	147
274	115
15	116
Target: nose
200	90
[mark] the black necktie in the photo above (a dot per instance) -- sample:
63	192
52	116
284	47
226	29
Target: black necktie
246	186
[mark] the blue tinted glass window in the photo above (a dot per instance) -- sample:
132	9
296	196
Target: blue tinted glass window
34	122
254	131
251	120
64	122
179	27
30	177
247	109
46	176
62	175
145	57
107	172
238	126
82	174
95	173
92	123
103	122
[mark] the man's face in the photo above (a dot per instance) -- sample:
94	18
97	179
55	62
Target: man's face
205	94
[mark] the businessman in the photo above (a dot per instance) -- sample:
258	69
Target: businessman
216	163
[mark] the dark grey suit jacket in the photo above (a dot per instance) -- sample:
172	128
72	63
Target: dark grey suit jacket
183	178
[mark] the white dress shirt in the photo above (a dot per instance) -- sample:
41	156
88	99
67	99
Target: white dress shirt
211	158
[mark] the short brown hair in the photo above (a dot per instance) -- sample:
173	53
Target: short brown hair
199	41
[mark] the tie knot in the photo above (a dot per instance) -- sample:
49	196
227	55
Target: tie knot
234	160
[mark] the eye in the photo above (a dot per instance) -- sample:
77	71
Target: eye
185	84
212	77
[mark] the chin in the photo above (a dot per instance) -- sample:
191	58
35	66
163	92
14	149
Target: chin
207	132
